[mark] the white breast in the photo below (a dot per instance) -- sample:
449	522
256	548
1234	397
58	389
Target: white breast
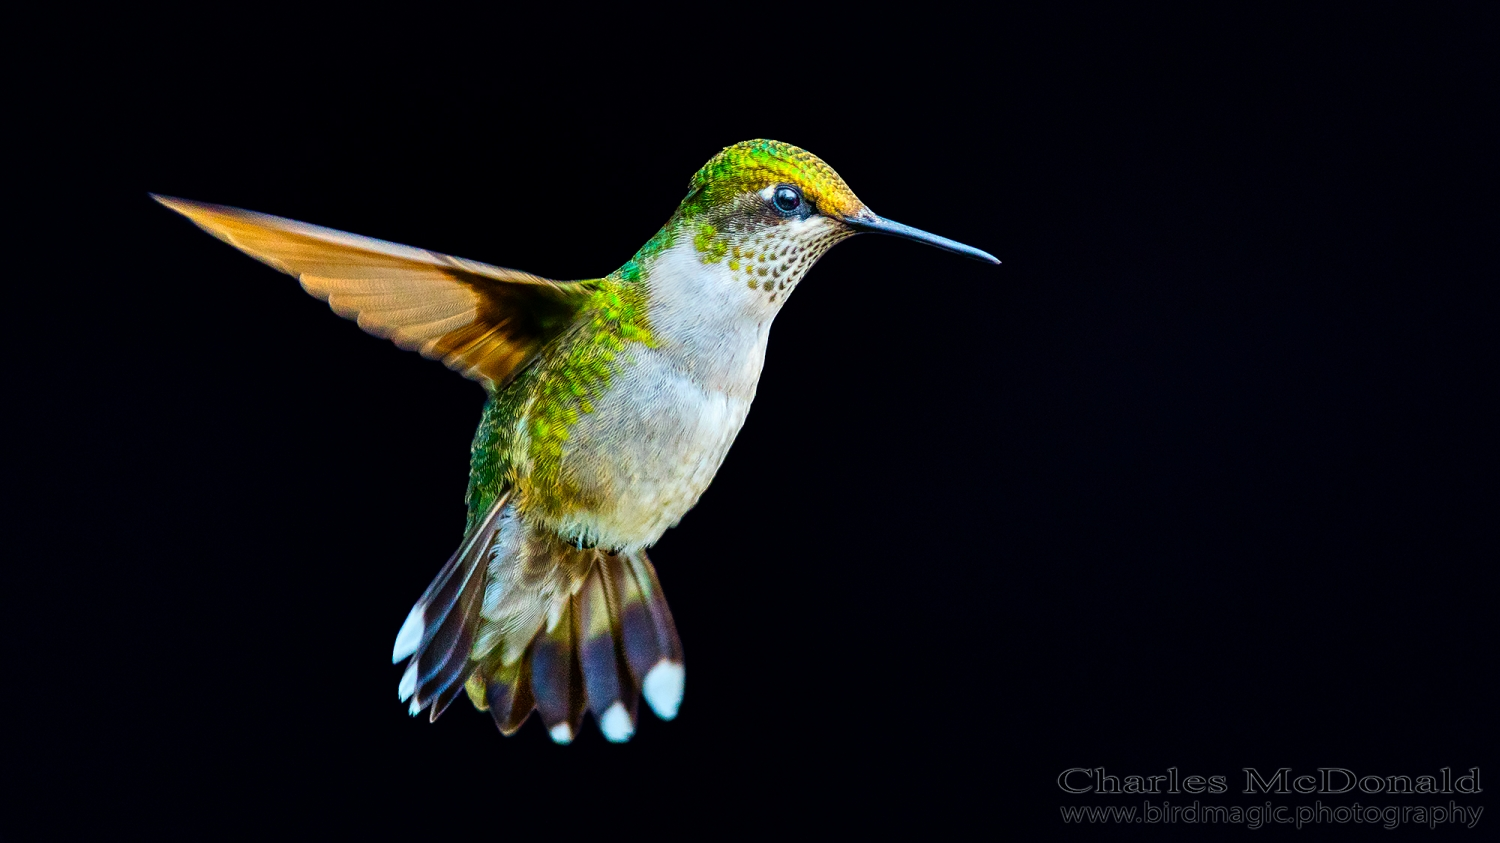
657	438
708	321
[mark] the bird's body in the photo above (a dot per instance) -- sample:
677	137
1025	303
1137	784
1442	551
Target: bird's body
644	440
612	404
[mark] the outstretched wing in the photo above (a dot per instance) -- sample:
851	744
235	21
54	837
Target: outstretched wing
480	320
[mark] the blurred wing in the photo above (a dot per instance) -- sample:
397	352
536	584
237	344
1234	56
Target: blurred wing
480	320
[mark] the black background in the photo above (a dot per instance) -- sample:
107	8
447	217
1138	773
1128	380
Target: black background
1203	476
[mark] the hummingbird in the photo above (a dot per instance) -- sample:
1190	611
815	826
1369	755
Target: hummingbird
611	403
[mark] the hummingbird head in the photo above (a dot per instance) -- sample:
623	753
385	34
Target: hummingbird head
769	210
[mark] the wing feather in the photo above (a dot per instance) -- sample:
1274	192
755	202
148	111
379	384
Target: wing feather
481	320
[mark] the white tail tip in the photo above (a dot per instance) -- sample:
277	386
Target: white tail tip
408	684
662	688
616	725
410	635
562	733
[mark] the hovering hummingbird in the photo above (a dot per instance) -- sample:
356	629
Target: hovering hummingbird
611	404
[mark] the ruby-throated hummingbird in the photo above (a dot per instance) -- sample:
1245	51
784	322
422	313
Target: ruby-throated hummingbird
612	403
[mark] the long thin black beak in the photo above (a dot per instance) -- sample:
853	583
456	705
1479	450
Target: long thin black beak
867	221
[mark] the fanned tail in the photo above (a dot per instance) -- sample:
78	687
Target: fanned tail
524	621
439	630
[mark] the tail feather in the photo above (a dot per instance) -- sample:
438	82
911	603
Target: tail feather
437	601
607	682
450	660
444	614
555	677
652	649
440	704
507	696
523	621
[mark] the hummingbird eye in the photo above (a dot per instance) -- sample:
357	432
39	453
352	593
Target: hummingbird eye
787	199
